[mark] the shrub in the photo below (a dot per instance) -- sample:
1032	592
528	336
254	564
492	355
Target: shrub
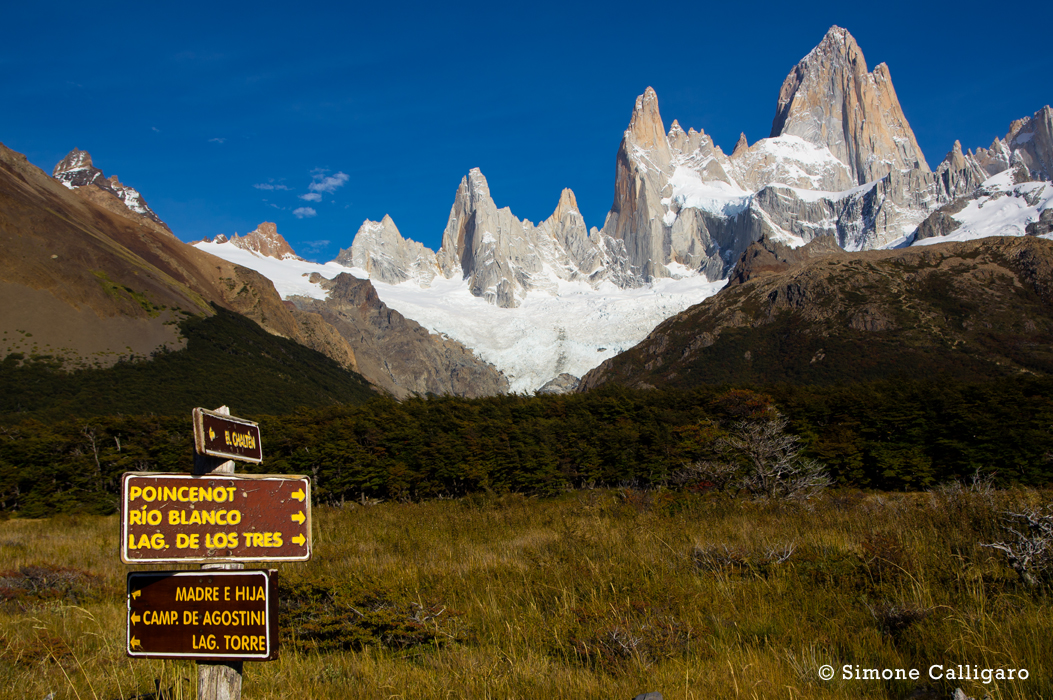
1031	554
761	458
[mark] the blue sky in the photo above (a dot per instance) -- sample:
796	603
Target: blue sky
320	116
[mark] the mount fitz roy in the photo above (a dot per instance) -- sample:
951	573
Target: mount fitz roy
841	161
545	303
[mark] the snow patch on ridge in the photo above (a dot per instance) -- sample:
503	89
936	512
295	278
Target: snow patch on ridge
714	196
1005	209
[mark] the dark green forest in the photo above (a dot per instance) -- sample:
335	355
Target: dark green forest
882	435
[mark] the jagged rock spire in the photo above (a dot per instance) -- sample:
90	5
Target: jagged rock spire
829	99
265	241
76	171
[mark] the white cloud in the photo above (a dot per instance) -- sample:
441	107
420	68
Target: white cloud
156	129
270	186
315	246
311	197
328	183
217	140
304	213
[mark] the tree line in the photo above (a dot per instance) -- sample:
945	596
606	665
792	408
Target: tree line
882	435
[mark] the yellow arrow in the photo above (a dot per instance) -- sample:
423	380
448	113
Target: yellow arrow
298	518
136	594
134	643
300	540
135	619
299	495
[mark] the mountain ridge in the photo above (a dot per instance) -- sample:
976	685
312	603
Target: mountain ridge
973	310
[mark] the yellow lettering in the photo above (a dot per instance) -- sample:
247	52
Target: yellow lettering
173	517
232	539
277	539
195	517
135	518
187	614
144	542
233	517
226	592
149	494
220	494
193	494
157	541
169	493
230	491
134	493
181	496
209	517
205	494
154	517
226	436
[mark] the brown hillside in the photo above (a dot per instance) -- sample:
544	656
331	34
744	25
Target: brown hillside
974	310
91	283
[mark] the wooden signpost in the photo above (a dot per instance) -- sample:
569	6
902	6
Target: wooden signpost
222	615
220	435
202	615
183	518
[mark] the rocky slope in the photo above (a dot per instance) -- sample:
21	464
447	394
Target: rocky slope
397	354
973	310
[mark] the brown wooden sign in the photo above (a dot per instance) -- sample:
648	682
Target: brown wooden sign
218	435
202	615
214	518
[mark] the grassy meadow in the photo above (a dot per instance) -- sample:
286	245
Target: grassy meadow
591	594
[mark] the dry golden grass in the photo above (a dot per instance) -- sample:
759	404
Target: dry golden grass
598	594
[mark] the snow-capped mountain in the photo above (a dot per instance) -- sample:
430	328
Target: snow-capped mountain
841	162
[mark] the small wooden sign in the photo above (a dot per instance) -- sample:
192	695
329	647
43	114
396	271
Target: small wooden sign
213	615
214	518
218	435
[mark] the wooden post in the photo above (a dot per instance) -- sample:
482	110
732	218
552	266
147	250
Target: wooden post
217	681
